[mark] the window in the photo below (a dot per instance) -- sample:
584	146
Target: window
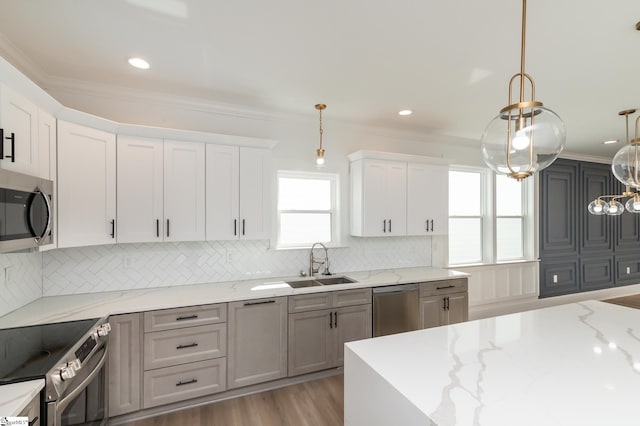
306	209
489	217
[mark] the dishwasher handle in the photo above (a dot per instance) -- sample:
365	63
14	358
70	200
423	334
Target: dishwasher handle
402	288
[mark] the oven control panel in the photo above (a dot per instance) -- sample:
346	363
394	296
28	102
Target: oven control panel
83	351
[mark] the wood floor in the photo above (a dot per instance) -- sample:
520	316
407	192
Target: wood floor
314	403
632	301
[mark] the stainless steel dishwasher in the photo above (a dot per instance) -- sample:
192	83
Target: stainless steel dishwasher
396	309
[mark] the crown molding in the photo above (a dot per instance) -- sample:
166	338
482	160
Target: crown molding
585	157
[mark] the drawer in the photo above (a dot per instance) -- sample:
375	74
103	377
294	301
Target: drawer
172	384
434	288
32	411
360	296
173	347
169	319
310	302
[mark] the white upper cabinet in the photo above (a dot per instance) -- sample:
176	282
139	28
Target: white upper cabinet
140	189
86	186
427	199
238	192
184	191
47	145
379	198
19	116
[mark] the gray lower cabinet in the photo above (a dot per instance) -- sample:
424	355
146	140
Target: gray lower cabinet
185	352
125	364
32	411
317	336
444	302
257	342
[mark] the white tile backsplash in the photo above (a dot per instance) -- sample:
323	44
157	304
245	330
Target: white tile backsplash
134	266
20	280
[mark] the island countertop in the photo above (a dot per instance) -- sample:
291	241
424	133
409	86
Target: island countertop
571	364
97	305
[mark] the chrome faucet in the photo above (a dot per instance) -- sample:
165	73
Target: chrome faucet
315	261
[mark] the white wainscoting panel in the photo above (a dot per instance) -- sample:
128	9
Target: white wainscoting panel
133	266
20	280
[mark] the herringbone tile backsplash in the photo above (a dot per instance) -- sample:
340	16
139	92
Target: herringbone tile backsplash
20	280
135	266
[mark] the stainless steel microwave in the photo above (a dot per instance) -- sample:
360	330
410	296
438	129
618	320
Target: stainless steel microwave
26	214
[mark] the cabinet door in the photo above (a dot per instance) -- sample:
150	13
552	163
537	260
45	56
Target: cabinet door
19	116
140	189
223	180
86	186
125	364
311	342
184	180
257	347
427	199
255	193
457	309
396	198
46	144
351	323
375	200
430	311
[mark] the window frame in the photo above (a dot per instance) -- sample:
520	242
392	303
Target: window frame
489	218
334	215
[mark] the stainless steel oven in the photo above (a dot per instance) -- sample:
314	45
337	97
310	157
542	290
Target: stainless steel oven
26	214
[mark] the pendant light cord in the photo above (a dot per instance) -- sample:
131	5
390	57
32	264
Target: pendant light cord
522	48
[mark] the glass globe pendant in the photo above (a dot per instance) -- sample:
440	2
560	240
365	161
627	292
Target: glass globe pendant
596	207
613	208
633	204
625	163
524	137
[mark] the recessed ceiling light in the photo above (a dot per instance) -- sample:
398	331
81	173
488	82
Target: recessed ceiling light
139	63
612	141
405	112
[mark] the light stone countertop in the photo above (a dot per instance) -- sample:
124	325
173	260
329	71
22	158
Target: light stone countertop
97	305
575	364
16	396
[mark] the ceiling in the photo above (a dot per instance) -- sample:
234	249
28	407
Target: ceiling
448	61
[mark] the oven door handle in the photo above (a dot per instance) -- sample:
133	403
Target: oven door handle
62	404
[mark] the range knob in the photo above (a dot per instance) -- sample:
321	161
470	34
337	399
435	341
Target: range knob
67	373
103	330
75	364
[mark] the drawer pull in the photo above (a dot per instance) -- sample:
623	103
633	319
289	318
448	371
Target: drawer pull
181	383
263	302
188	317
444	288
190	345
33	421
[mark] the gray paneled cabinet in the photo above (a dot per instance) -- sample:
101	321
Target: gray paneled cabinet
257	342
444	302
580	251
321	323
125	364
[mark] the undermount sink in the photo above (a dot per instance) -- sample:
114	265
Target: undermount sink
335	280
320	281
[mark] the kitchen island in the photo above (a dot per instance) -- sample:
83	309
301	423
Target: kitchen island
567	365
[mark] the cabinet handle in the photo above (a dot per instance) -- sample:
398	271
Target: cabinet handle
33	421
113	228
447	303
262	302
235	227
181	383
167	227
431	225
389	225
444	304
188	317
384	225
12	138
242	226
330	319
158	228
335	320
444	288
426	225
190	345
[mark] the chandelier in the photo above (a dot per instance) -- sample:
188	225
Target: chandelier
625	168
524	137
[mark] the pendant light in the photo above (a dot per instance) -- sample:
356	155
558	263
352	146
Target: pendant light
625	168
320	150
524	137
